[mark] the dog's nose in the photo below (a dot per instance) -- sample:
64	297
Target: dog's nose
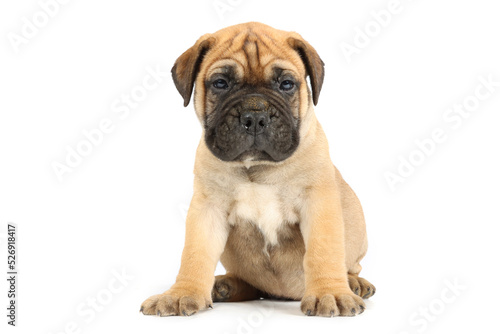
254	121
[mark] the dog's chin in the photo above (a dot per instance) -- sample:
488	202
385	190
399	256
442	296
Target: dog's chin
254	155
253	158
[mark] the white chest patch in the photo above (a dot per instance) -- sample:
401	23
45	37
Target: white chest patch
268	207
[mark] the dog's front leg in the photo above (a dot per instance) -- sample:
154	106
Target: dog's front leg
206	235
327	291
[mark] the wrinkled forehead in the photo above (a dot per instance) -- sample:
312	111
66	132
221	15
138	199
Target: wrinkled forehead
252	57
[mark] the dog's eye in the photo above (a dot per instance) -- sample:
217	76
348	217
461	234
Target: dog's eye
286	85
220	84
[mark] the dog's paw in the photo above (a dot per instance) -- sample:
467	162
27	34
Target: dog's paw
332	304
223	288
175	302
361	286
229	288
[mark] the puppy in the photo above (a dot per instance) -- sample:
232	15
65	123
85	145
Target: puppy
268	202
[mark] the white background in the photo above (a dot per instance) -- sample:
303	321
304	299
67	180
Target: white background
123	207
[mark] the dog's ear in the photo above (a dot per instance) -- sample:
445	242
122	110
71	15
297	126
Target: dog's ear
315	67
187	66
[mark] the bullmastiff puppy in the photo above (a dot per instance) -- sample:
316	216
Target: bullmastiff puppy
268	202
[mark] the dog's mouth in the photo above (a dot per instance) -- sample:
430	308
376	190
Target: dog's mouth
235	139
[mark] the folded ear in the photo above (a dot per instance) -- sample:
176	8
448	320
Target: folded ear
315	67
187	66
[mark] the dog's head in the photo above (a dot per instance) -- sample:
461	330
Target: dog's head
251	90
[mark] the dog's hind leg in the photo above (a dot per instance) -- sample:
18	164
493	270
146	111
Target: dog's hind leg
361	286
229	288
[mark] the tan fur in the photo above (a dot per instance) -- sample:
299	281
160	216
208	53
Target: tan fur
292	229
